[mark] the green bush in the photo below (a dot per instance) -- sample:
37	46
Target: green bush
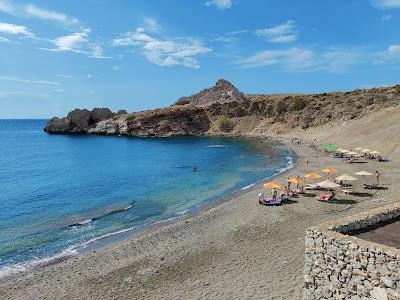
131	118
224	123
182	102
299	104
281	107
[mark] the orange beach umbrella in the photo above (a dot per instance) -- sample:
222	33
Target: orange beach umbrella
313	175
296	180
272	185
328	170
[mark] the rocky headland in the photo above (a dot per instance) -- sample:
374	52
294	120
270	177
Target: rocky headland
223	109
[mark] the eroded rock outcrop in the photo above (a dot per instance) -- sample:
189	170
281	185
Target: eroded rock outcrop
78	121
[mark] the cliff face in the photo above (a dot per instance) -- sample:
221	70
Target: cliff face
223	109
175	121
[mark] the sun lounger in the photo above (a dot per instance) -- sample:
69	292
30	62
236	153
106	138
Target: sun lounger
348	192
371	186
313	187
271	201
326	198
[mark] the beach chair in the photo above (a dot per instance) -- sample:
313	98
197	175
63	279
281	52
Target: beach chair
326	198
347	192
373	186
312	187
271	202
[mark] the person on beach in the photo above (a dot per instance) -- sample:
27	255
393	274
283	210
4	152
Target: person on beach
307	163
274	194
377	176
261	198
298	177
288	183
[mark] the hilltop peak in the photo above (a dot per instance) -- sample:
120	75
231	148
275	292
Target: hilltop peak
223	91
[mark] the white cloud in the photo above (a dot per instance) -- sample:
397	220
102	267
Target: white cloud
116	68
220	4
337	60
73	41
15	29
132	38
284	33
6	7
33	11
390	56
237	32
49	15
178	51
77	42
97	52
225	39
386	17
295	59
73	76
151	25
334	60
12	78
385	4
4	40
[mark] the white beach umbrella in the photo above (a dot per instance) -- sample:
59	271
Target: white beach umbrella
363	174
366	150
352	153
328	184
344	151
375	152
359	148
346	177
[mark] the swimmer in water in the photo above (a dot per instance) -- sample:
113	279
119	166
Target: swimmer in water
194	167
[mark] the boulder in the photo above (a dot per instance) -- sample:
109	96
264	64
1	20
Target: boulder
79	120
100	114
57	125
121	112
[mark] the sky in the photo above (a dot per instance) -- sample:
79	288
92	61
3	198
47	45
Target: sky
135	55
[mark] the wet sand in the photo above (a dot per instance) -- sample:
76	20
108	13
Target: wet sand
234	250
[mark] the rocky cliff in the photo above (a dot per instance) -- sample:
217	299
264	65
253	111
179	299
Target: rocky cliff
223	109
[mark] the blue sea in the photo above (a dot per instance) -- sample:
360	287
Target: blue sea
60	193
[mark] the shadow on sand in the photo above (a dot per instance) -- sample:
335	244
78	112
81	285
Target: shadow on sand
308	195
362	194
344	201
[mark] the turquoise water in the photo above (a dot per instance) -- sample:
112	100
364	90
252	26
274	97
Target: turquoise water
58	192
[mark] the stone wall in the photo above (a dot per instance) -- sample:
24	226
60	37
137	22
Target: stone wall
340	266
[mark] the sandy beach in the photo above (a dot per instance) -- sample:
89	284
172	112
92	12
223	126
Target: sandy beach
236	249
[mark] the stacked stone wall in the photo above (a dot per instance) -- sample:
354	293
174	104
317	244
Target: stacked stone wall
341	266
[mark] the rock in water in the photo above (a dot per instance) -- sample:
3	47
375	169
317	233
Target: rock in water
222	92
78	121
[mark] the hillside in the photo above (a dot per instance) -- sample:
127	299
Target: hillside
222	109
